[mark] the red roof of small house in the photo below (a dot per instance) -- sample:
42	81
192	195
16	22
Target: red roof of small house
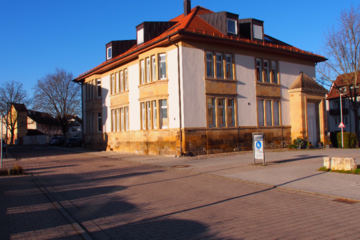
343	81
192	25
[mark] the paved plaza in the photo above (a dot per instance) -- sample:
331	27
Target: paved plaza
72	194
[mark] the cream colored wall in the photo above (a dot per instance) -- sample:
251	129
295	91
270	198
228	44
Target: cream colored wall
193	87
173	89
288	73
246	90
134	105
106	111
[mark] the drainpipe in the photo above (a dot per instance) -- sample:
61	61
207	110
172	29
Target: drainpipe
180	118
82	112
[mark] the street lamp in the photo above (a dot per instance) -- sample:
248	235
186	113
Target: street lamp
341	117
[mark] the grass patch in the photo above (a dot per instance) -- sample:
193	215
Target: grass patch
324	169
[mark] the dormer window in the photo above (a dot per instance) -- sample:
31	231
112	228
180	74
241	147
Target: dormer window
109	53
232	26
140	36
258	32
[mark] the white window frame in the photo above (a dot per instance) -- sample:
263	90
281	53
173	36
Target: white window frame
143	116
148	75
113	83
231	20
98	84
121	81
142	71
117	79
162	65
153	62
213	101
140	36
148	114
126	118
119	123
154	116
162	125
122	119
108	50
126	80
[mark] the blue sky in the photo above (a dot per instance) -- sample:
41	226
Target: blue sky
36	36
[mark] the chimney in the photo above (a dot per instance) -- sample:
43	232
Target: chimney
187	7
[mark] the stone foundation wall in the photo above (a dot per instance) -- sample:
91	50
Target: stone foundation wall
195	141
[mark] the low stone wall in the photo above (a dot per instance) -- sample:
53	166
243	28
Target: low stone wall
336	163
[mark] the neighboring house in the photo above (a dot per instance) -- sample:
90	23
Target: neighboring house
43	122
74	127
333	106
30	123
201	83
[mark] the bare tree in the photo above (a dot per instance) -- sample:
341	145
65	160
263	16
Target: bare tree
12	93
342	47
58	95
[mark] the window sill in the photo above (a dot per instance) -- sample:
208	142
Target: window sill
220	79
268	84
154	82
222	128
119	93
280	126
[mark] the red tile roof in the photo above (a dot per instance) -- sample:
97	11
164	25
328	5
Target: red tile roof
344	80
195	25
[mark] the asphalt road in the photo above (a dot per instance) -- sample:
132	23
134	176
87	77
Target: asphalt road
115	197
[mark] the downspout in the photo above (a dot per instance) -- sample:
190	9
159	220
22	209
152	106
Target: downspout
179	86
82	111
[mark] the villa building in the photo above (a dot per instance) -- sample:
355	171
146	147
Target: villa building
201	83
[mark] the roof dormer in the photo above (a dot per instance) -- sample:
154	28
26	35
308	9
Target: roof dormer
115	48
225	22
252	29
150	30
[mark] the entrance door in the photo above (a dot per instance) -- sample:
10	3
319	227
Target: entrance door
311	121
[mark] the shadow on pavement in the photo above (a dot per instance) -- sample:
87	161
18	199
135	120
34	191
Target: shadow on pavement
299	158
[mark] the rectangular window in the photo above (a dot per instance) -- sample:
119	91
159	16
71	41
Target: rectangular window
162	66
276	113
268	113
209	64
109	53
229	70
118	119
122	119
117	81
221	112
113	121
154	114
126	80
274	74
211	112
219	66
99	122
93	88
126	119
140	36
261	112
112	84
230	113
143	119
148	108
153	60
231	26
258	70
163	114
98	88
142	72
121	81
148	70
266	71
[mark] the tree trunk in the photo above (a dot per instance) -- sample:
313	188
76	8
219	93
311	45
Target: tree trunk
12	137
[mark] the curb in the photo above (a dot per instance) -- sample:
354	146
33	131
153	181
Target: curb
59	207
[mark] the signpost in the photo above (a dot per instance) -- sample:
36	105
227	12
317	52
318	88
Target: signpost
1	140
258	146
341	124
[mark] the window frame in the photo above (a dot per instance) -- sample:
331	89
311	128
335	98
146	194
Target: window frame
108	50
265	113
98	87
231	68
221	68
142	71
113	84
236	27
160	66
225	112
211	63
162	125
99	119
153	67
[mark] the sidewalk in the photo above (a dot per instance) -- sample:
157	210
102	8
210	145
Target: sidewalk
295	170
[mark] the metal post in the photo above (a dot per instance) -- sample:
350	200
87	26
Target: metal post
341	117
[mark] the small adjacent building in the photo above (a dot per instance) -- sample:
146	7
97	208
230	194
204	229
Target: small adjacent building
201	83
341	88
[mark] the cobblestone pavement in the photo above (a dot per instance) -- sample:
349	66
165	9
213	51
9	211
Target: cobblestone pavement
112	198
